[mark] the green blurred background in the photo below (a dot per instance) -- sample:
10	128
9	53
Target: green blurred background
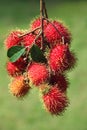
28	114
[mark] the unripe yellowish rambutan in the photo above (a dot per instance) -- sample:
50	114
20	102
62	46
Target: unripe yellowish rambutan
19	87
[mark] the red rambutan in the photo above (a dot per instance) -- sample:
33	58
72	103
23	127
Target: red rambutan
37	23
28	40
18	87
60	81
53	36
16	68
12	69
55	101
13	39
61	58
37	73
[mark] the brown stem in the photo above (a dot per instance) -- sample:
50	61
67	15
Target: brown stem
29	32
39	34
42	22
26	79
45	10
63	39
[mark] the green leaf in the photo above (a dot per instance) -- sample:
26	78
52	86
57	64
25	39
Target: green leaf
15	52
36	54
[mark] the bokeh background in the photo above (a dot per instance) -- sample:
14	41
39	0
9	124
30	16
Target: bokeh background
28	114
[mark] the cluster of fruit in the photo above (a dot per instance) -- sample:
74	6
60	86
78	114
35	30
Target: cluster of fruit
46	67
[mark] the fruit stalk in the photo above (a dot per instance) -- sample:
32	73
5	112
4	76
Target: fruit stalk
45	10
42	20
29	32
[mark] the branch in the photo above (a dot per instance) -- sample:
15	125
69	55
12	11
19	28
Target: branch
39	34
45	10
42	22
29	32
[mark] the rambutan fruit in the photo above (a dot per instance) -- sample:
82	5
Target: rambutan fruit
18	87
12	69
55	34
28	40
61	59
16	68
13	39
37	23
60	81
54	100
37	73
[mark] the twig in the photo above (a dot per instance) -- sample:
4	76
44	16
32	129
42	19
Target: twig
26	79
45	10
29	32
42	22
63	40
39	34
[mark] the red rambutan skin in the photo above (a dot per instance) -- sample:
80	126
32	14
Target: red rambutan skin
12	69
19	87
37	73
55	102
60	81
28	40
53	36
37	23
16	68
61	58
13	39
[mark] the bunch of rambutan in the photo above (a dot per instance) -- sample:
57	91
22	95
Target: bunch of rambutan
44	67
